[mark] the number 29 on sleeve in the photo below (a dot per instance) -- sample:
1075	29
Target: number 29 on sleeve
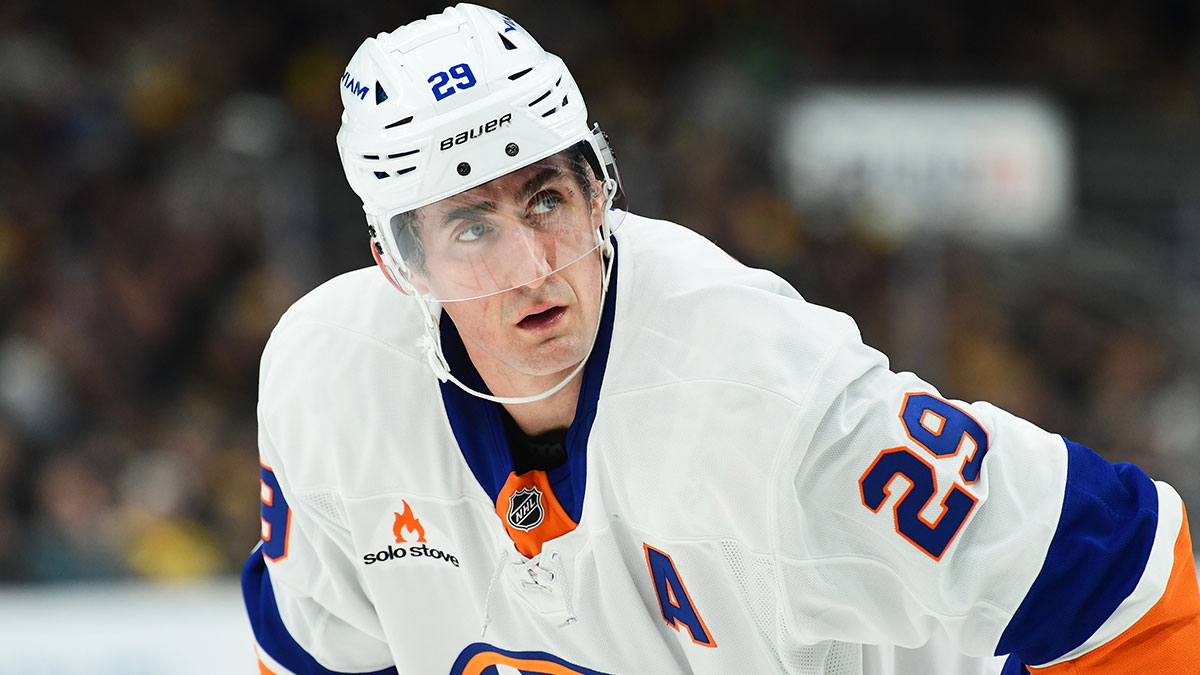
945	432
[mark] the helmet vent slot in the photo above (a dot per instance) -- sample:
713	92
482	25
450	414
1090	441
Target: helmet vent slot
519	73
397	123
406	153
564	100
549	112
380	94
507	45
370	156
539	99
383	174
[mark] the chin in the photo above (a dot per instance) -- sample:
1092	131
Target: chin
557	358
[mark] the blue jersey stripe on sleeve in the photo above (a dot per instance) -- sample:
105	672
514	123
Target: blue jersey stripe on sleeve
269	631
1098	553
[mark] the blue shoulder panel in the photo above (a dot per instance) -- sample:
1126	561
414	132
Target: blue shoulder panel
479	429
1104	536
269	631
1012	666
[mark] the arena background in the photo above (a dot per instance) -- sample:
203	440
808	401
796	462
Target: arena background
169	185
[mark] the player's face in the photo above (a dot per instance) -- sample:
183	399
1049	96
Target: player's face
525	225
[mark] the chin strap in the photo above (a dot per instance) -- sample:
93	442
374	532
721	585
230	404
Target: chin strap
431	341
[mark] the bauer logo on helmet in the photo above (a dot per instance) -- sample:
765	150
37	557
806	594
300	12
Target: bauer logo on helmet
486	128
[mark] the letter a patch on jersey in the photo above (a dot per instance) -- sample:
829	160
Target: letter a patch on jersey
673	599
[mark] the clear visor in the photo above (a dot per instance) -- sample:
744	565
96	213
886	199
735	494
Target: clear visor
509	232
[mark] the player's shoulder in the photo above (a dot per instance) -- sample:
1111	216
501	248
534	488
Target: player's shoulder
702	315
332	371
672	263
361	299
348	341
357	309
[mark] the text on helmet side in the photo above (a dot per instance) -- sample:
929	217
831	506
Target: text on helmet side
356	88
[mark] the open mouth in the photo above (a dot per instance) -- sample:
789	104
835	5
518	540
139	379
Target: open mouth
543	319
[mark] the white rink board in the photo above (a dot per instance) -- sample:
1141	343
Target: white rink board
992	163
125	629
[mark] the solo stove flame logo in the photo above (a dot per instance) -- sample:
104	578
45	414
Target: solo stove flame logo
407	521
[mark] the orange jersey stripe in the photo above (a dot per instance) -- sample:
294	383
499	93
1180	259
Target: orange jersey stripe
263	669
485	660
1164	640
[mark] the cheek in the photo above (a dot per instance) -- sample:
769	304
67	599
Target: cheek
475	319
587	282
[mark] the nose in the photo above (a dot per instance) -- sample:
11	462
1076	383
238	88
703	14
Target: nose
537	251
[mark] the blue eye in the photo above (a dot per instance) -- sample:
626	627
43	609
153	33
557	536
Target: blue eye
472	233
544	203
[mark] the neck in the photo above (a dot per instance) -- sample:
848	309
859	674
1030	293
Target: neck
553	412
537	417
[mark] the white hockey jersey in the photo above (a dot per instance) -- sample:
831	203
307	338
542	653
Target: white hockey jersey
749	489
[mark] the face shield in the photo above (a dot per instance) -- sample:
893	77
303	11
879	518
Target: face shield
508	232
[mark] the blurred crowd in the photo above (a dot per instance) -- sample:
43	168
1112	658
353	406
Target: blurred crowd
169	185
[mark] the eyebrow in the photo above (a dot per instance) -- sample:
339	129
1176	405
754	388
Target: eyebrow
531	186
537	182
469	212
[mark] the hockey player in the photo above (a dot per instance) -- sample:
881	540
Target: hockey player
556	437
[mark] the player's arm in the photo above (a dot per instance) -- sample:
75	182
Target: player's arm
1117	592
921	511
309	614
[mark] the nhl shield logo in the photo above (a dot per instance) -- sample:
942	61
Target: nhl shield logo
525	510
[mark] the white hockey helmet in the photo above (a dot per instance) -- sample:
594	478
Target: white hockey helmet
448	104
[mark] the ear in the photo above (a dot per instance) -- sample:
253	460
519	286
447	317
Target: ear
376	248
415	282
598	201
